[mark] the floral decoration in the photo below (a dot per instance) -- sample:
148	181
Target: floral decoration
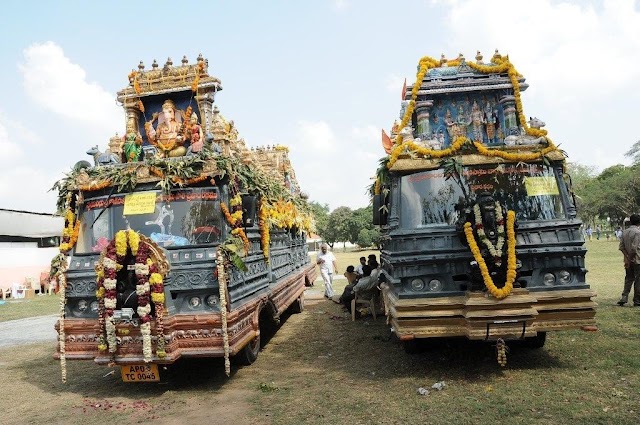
500	65
62	286
71	227
495	251
222	291
149	288
503	292
265	235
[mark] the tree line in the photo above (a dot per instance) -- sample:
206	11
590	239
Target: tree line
346	225
609	196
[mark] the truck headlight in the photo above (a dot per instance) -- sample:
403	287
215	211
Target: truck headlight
417	284
194	302
435	285
549	279
564	277
82	305
212	300
94	306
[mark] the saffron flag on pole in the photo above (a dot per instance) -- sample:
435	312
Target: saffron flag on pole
404	89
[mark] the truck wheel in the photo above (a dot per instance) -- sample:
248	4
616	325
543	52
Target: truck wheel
249	352
536	341
298	305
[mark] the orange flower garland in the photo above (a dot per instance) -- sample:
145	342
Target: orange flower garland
503	292
502	65
93	186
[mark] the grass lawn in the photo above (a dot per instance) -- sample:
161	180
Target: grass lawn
322	368
13	309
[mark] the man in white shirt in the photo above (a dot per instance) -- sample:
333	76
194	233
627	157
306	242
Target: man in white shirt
327	263
363	262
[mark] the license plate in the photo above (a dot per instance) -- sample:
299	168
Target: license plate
140	373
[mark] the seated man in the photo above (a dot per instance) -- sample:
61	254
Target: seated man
348	293
350	275
363	262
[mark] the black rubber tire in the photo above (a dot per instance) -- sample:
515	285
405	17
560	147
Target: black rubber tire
536	341
298	305
249	353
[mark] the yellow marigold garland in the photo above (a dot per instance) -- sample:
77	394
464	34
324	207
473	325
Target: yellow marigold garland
502	65
265	236
503	292
234	221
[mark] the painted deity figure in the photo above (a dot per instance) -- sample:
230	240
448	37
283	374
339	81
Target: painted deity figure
167	135
458	127
490	122
132	146
477	122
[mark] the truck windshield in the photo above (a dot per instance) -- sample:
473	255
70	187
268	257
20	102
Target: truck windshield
435	198
182	217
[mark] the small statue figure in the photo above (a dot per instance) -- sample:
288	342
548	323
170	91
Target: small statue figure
477	122
458	127
407	134
196	136
132	146
102	158
490	122
167	135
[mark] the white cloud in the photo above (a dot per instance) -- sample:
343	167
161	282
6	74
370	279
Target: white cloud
341	4
61	86
570	47
26	188
317	135
10	149
368	133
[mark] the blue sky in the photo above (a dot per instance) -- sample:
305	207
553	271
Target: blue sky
323	77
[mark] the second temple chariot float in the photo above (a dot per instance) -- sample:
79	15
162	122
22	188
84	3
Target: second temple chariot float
179	241
479	226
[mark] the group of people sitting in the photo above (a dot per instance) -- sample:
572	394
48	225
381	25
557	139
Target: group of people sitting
362	281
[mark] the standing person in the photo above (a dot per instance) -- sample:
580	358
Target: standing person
327	263
597	232
589	232
629	244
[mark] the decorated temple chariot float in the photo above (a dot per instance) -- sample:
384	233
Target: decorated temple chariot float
179	241
480	233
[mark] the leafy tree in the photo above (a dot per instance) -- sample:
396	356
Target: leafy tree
582	181
634	153
337	226
368	237
321	216
360	219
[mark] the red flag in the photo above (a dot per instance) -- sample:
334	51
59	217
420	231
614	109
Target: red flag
404	88
387	143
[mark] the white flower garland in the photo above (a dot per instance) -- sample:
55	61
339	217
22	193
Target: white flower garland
62	285
222	286
495	251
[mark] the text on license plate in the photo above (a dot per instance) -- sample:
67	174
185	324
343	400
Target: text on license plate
140	373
